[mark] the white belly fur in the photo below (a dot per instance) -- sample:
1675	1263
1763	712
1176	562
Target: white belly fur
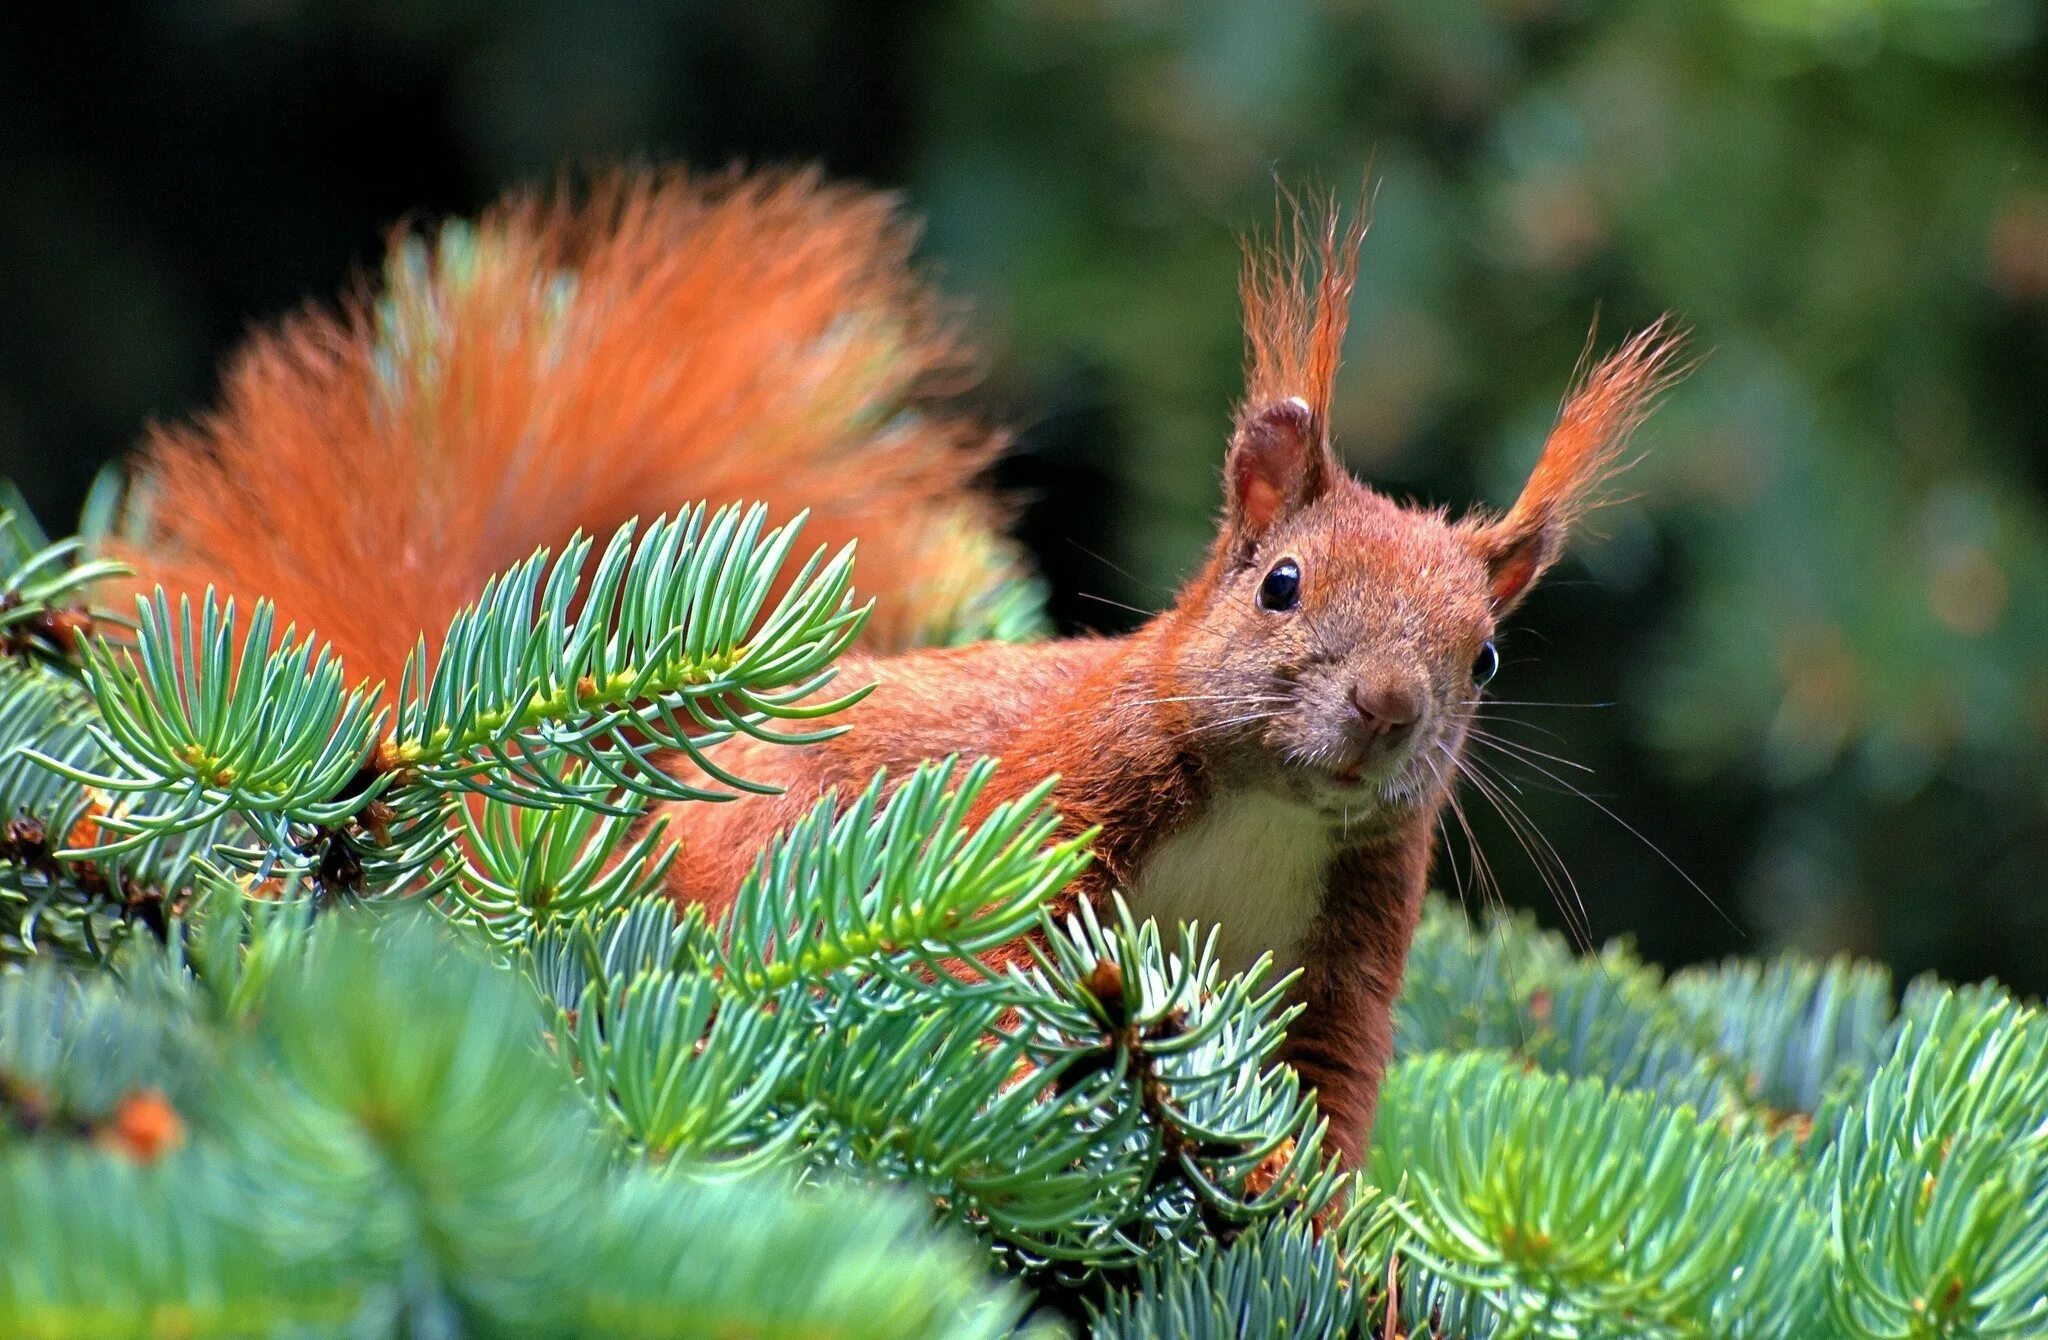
1251	867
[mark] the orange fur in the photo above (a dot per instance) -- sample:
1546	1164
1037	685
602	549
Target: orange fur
1296	292
569	365
1584	451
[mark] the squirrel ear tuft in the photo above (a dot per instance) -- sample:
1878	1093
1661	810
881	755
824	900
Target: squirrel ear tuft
1582	453
1296	289
1277	464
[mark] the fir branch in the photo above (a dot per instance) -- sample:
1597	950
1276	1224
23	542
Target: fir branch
685	1079
679	1262
1505	984
379	1146
99	1247
444	1152
1237	1135
61	886
1286	1277
73	1050
827	997
52	896
613	945
1003	1145
553	690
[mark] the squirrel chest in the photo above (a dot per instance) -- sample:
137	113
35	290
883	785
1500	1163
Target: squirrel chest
1251	866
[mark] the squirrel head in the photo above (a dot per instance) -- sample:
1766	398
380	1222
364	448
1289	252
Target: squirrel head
1334	645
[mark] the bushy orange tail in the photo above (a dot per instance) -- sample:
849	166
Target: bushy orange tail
565	366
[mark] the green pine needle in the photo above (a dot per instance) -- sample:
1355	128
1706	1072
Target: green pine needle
897	880
675	640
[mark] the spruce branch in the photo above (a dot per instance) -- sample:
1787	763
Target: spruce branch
825	997
1285	1277
378	1144
210	724
1235	1134
45	607
557	688
898	881
54	895
524	865
1797	1027
1558	1206
1049	1168
74	1049
101	1247
676	641
1505	984
1935	1174
612	945
443	1153
233	936
1070	1127
674	1261
62	887
686	1076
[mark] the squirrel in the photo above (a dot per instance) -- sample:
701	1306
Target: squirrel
1267	756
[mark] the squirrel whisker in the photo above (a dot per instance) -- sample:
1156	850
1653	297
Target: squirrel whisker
1495	719
1225	722
1486	737
1543	855
1634	832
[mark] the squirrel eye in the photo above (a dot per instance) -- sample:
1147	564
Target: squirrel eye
1281	590
1486	664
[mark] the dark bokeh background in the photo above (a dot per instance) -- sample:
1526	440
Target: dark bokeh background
1821	632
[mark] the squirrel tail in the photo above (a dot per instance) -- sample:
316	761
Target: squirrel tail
567	365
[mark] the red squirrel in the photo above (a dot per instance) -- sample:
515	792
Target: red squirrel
1268	755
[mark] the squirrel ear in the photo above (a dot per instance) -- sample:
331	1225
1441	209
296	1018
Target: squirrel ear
1278	463
1515	558
1582	452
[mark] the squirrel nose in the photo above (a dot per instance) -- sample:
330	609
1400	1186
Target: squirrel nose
1387	709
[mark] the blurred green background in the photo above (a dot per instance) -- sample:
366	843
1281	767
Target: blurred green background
1809	662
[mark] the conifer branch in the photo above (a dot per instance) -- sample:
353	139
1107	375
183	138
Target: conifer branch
557	688
1287	1277
542	1098
676	642
1936	1174
1557	1203
45	588
898	886
1797	1027
214	725
1505	984
524	865
63	888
